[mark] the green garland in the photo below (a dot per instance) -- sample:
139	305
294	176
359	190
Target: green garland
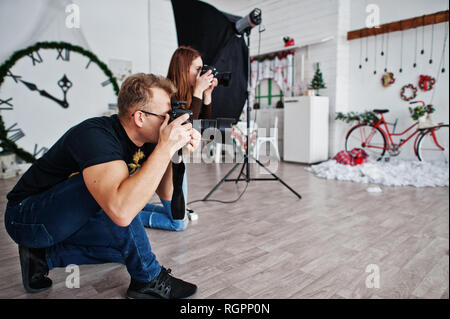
420	111
366	117
9	146
270	56
6	144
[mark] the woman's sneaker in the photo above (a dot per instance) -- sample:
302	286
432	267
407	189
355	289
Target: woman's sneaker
165	286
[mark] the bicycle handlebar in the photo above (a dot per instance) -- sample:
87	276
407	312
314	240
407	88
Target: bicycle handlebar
413	102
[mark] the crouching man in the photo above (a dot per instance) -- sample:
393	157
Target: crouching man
79	203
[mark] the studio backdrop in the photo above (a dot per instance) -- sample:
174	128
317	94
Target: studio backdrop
213	34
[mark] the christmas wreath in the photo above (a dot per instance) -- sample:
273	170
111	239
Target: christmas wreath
413	92
387	79
426	82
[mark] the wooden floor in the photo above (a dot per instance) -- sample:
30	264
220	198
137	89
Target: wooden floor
269	244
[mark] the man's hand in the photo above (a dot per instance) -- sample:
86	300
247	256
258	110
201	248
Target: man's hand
174	136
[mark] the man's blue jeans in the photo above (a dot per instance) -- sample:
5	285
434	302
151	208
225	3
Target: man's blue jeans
157	216
68	222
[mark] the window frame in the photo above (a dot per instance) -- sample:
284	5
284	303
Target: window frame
269	95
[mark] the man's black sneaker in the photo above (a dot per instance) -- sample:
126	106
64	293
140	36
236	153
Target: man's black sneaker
34	269
165	286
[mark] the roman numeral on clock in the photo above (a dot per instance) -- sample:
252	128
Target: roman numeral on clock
14	77
35	57
105	83
18	133
64	54
42	150
7	103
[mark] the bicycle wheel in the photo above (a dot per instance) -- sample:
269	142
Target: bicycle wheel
432	145
368	138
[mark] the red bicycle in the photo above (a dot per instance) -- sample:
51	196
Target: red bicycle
430	144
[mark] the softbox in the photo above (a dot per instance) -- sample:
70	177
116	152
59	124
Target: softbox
213	34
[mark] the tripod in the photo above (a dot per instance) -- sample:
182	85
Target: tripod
245	164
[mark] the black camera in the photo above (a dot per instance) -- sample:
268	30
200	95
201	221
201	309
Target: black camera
178	111
223	78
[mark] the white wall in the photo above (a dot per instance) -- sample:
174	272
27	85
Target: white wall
366	91
110	28
163	35
117	29
307	21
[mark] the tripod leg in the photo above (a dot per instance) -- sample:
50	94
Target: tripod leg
221	181
281	181
242	170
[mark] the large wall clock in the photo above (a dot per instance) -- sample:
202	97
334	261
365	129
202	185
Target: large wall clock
49	87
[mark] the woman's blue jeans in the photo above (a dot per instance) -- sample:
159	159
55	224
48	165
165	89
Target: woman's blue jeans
67	221
160	216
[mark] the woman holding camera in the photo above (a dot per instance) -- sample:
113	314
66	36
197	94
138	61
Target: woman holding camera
184	71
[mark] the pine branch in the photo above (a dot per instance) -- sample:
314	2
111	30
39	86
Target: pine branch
366	117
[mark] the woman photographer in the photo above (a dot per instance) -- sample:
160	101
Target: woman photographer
184	71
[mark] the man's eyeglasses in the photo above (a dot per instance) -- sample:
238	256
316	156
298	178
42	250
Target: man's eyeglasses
151	113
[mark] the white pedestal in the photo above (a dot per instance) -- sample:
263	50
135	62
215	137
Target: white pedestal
306	129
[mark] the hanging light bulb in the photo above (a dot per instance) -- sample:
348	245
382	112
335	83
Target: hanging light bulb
367	46
387	52
415	51
360	50
423	35
375	55
432	42
443	53
401	53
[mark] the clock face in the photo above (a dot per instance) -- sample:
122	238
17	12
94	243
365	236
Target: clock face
47	92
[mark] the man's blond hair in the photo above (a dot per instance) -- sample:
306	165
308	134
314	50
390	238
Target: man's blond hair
136	92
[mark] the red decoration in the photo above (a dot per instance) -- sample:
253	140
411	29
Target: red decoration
413	90
288	42
354	157
426	82
387	79
270	56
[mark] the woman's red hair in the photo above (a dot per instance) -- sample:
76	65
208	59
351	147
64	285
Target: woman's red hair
179	72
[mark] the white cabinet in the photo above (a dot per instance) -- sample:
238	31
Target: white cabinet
306	129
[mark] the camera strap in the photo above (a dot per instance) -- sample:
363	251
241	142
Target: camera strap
178	202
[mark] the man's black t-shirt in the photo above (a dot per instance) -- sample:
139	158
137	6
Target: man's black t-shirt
94	141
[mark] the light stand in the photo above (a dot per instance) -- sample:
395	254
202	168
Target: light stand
245	164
